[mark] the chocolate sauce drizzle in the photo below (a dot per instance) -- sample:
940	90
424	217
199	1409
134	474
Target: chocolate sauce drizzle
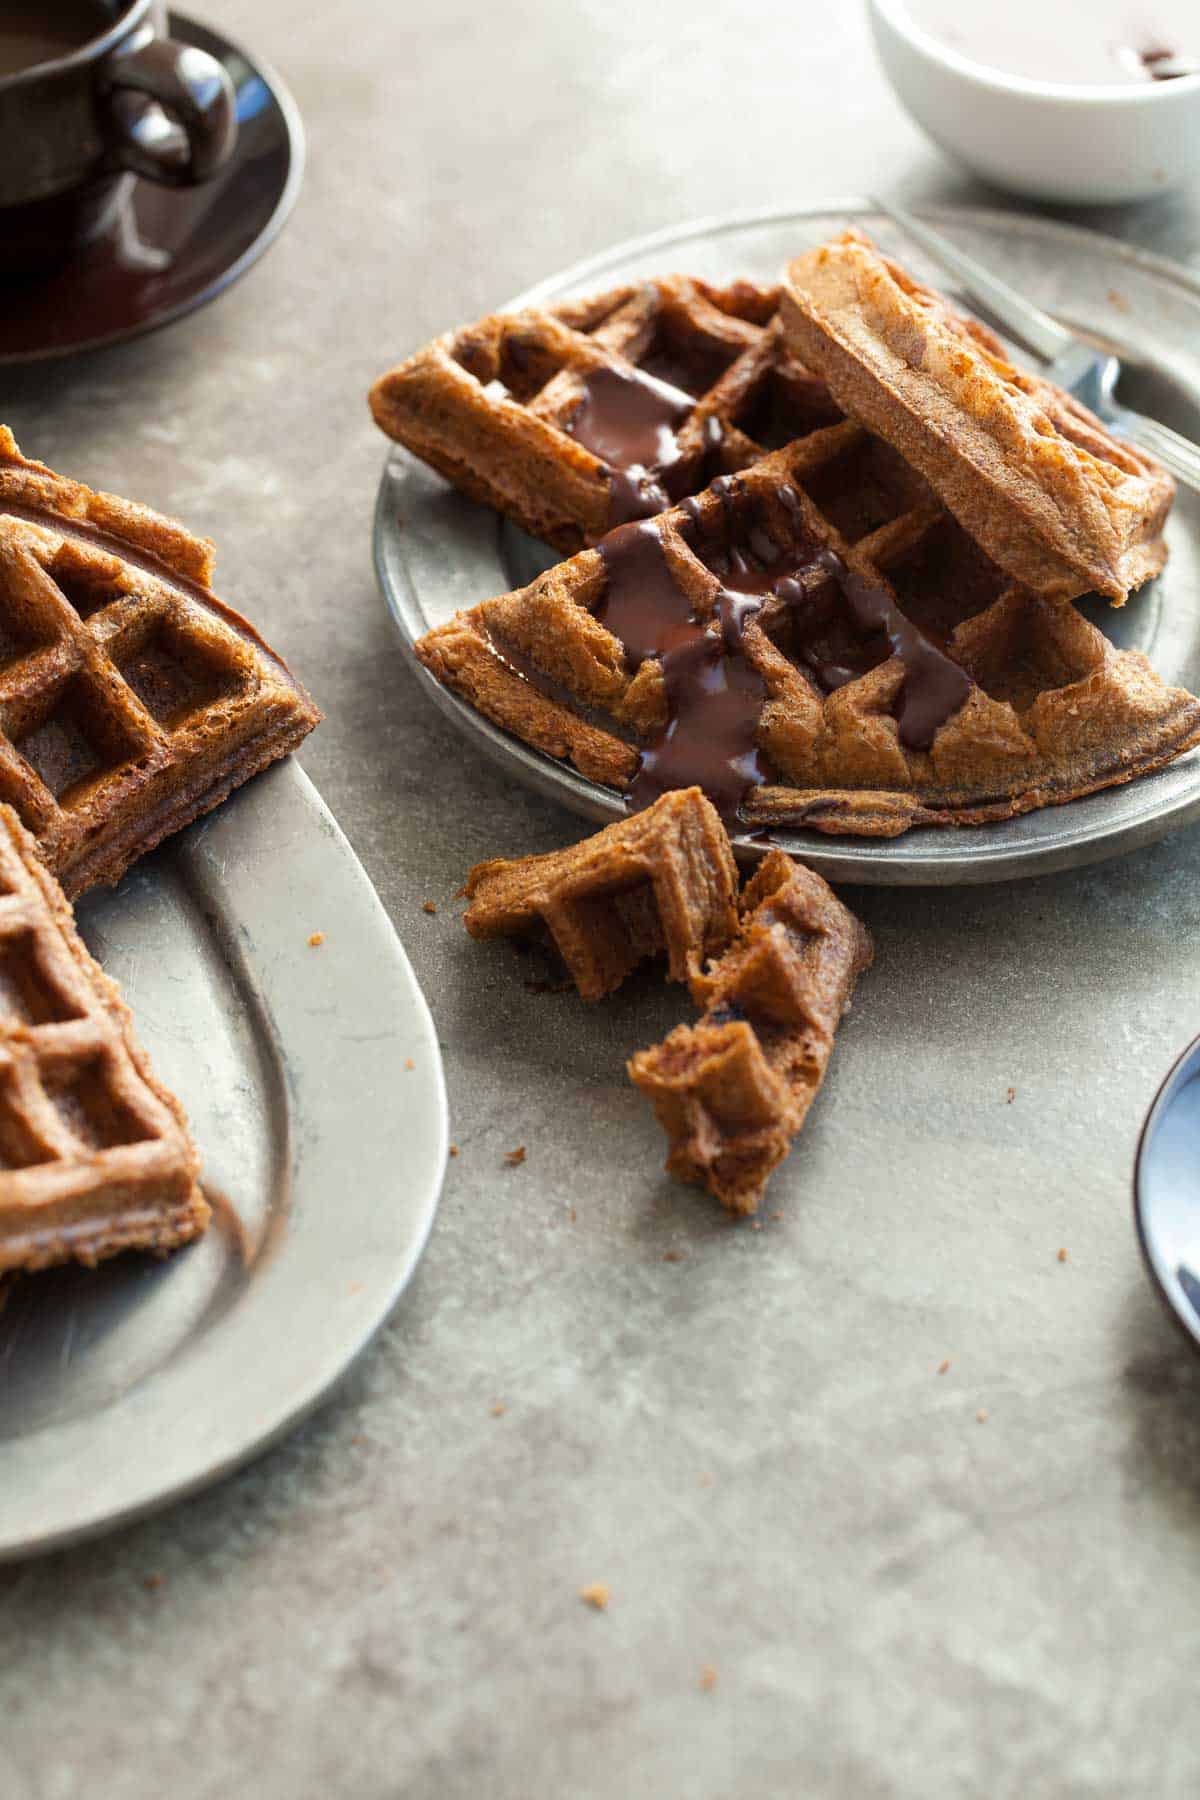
631	421
934	687
714	694
1165	65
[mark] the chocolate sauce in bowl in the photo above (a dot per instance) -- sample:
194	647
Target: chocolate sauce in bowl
1091	42
630	420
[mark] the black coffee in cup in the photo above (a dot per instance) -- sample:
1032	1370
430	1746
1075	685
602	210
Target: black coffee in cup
41	31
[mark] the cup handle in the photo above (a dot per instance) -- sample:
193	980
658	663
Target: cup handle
196	94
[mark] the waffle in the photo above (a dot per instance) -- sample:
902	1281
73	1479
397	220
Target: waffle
1057	502
663	880
813	641
572	419
95	1155
732	1091
131	699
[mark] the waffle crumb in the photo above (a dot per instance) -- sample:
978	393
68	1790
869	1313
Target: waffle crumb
428	906
514	1158
409	1063
572	1217
672	1255
982	1415
1118	299
943	1366
454	1149
1010	1096
595	1595
499	1410
316	940
152	1583
708	1677
1062	1256
704	1479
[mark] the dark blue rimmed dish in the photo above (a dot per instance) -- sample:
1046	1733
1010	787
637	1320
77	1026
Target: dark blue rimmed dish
1166	1190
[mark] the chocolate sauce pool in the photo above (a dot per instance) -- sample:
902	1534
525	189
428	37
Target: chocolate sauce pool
630	421
714	694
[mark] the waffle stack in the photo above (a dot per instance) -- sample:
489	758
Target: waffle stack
131	698
131	701
95	1155
829	626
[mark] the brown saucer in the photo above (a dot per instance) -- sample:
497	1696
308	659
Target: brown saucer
170	250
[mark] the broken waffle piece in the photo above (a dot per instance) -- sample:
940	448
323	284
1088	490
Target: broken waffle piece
1044	487
95	1155
732	1091
131	698
662	880
574	418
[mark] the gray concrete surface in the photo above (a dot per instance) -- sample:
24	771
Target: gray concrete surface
750	1444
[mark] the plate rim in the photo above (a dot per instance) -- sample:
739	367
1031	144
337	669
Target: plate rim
900	861
298	1398
1175	1078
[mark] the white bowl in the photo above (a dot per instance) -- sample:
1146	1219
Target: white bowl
1053	142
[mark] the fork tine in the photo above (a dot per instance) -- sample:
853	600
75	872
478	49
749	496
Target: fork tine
1036	329
1180	456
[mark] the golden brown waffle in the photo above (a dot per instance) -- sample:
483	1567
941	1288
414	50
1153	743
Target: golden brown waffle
95	1155
574	418
817	639
1041	484
131	698
732	1091
663	880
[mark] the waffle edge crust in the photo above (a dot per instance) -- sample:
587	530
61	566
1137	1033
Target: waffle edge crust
1040	482
131	699
95	1154
732	1091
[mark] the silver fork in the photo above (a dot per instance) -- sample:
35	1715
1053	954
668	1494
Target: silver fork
1090	374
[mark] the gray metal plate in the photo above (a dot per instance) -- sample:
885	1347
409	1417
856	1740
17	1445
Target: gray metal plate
132	1384
436	551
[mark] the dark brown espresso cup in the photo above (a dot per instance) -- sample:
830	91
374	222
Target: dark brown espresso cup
93	93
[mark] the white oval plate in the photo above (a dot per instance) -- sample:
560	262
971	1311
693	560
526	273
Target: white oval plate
135	1383
436	551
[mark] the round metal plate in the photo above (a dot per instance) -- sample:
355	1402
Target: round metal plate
313	1081
436	551
1167	1191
